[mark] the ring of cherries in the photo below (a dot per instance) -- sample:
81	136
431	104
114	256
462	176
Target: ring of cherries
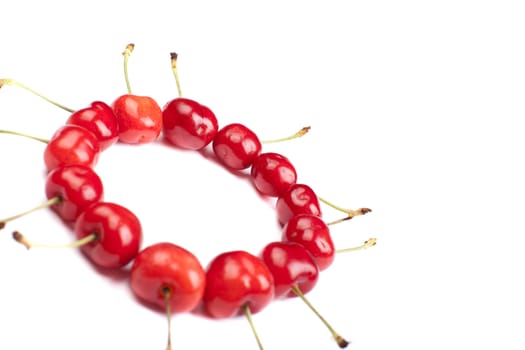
165	274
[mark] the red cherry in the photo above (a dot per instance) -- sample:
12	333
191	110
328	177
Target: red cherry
188	124
273	174
100	120
236	146
299	199
313	233
77	186
165	267
291	265
72	144
139	118
235	280
118	234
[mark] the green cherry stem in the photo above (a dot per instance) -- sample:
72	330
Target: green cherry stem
48	203
343	343
368	243
298	134
350	212
174	57
27	88
166	292
248	314
10	132
20	238
127	52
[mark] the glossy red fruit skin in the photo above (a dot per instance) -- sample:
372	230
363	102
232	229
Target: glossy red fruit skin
235	279
72	144
298	199
313	233
236	146
188	124
100	120
166	265
77	186
291	265
273	174
139	119
119	234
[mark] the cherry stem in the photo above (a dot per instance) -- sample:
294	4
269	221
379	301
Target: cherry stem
20	238
27	88
166	291
10	132
368	243
48	203
343	343
298	134
350	212
248	313
350	215
127	52
175	72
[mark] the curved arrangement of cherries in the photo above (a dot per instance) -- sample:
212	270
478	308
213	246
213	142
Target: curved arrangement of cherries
165	274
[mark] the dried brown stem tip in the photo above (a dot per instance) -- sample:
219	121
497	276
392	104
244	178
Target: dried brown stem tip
174	56
343	343
370	242
128	50
357	212
17	236
303	131
2	225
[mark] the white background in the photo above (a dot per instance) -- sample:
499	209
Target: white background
415	109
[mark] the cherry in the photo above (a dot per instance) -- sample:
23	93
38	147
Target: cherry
313	233
235	281
117	232
236	146
291	265
273	174
164	267
139	118
298	199
188	124
72	144
100	120
168	276
295	273
76	186
70	188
